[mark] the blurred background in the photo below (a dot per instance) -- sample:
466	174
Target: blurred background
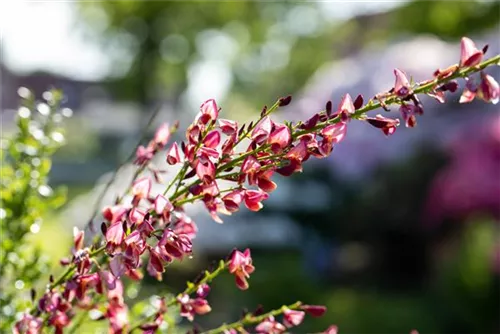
390	234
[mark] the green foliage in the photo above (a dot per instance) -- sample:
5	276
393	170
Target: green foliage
26	196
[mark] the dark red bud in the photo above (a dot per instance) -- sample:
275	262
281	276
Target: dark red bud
241	130
190	174
33	294
196	189
259	310
311	122
284	101
104	228
51	278
485	48
358	103
263	112
314	310
451	86
328	108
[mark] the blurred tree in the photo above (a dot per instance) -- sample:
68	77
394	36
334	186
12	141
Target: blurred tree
266	49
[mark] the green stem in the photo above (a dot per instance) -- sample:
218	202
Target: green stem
191	288
249	319
393	99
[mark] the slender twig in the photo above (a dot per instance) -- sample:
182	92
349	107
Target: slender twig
250	319
191	288
144	133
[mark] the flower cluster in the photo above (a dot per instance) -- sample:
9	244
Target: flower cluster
153	230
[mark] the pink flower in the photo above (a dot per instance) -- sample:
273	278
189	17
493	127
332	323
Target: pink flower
185	225
408	112
346	108
331	330
163	207
140	189
228	127
402	85
249	168
114	236
241	266
28	325
469	54
136	216
114	213
59	320
203	290
117	313
387	125
162	136
334	133
262	130
264	181
270	326
173	155
143	155
293	318
156	263
117	266
205	171
488	90
233	200
470	91
280	138
175	245
78	237
212	139
208	112
191	307
193	135
253	199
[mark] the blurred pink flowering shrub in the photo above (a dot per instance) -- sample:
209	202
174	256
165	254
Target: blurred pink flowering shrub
152	230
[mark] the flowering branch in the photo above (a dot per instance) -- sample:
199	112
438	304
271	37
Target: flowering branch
250	319
156	229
